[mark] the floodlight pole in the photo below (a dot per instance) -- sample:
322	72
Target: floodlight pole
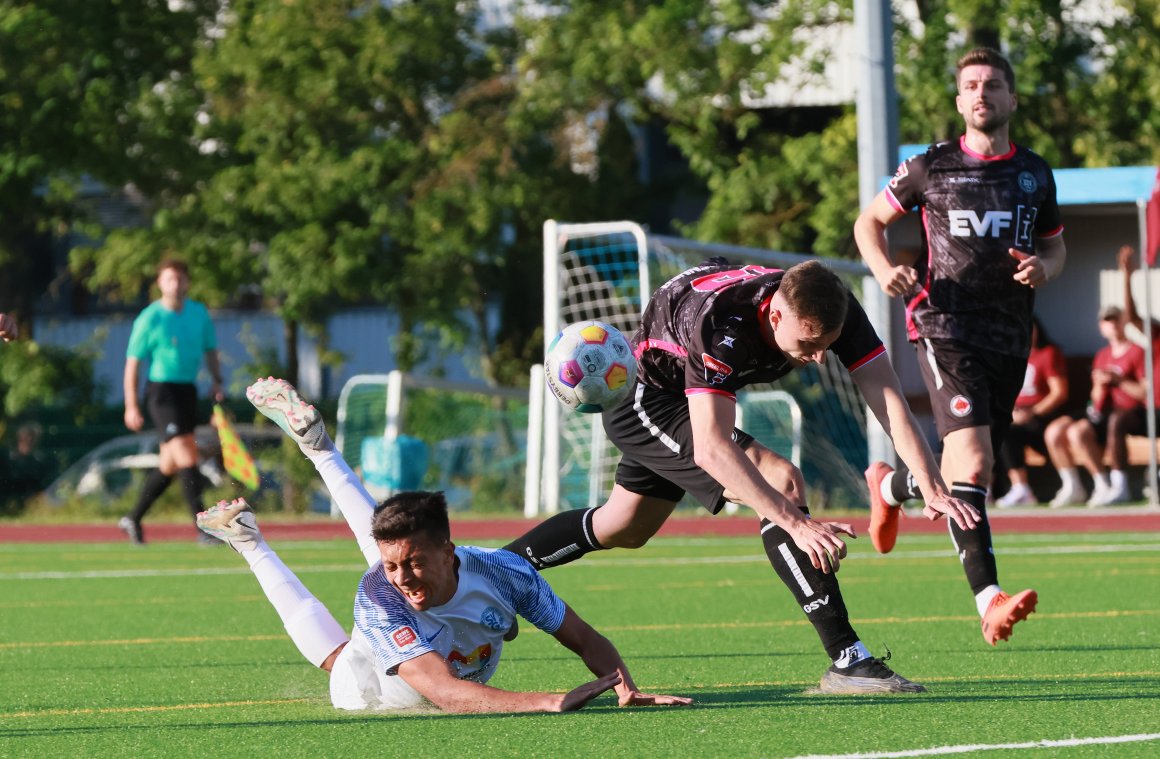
1149	368
877	108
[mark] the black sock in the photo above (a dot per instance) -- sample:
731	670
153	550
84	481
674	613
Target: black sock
190	479
155	484
558	540
902	485
817	594
974	546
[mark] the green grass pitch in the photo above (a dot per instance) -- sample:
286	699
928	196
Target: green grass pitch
172	651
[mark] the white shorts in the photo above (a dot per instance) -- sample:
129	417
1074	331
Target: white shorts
356	683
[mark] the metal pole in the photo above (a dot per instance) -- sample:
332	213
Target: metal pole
1150	375
877	106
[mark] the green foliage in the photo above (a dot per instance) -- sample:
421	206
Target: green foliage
1124	97
403	153
34	376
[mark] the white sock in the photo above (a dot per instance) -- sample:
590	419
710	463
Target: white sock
1119	479
312	628
1101	482
355	503
1070	477
984	597
852	655
884	489
1018	490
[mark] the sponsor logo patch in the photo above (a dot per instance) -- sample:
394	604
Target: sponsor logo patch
719	369
404	637
961	406
816	604
902	173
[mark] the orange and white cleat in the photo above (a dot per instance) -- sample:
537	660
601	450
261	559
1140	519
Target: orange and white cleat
1004	611
883	516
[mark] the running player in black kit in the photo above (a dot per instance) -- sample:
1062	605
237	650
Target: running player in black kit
992	233
706	334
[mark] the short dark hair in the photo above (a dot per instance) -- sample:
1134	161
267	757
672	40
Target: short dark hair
409	513
986	56
816	295
176	264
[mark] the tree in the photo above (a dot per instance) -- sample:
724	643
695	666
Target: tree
366	152
86	90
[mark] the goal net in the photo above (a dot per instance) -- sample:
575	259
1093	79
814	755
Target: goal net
607	272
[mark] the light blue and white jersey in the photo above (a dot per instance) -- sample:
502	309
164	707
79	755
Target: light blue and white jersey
494	586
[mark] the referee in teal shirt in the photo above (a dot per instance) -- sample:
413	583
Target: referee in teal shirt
172	334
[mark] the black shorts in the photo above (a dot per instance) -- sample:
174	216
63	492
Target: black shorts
652	430
172	407
1131	422
969	387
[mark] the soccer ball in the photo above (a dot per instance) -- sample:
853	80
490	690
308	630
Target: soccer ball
590	367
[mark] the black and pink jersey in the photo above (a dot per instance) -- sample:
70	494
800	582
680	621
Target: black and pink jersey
974	208
701	332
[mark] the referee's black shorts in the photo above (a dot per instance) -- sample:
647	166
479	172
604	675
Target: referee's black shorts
172	407
652	430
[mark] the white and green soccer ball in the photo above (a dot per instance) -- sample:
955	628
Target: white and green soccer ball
590	367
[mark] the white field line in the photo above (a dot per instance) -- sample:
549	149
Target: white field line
599	562
969	748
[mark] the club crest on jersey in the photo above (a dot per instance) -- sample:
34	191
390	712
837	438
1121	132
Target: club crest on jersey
1027	182
961	406
720	369
494	618
404	638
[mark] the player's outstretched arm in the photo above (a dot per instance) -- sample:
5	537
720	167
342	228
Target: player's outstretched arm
432	677
870	234
882	392
712	417
604	660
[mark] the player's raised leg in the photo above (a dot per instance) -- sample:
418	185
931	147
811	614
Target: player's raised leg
277	400
310	625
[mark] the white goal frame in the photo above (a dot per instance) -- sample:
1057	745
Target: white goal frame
542	487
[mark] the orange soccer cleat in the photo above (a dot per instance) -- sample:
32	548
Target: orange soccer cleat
1004	611
883	516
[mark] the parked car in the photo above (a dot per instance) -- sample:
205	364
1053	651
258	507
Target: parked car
107	470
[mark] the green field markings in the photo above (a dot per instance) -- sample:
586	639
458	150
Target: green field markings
1061	679
152	708
596	561
971	748
531	631
167	641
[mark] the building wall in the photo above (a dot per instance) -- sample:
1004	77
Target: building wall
362	336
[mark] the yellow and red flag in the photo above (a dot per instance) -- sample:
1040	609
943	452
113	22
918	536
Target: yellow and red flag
236	459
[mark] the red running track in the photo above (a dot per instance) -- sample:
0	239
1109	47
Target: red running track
1126	519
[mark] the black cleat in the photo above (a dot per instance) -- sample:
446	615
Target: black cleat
867	676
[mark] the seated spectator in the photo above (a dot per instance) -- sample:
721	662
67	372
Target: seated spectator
8	330
1116	410
1045	391
26	470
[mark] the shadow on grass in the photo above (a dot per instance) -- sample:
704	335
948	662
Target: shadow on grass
1031	690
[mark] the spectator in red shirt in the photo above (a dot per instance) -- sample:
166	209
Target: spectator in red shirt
1045	391
1116	410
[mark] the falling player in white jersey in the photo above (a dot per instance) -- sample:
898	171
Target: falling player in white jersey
431	618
